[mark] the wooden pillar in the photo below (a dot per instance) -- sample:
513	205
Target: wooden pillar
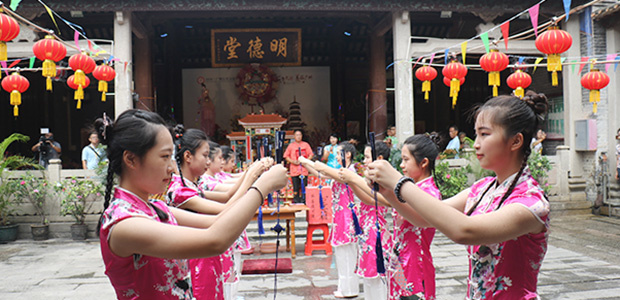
144	74
377	106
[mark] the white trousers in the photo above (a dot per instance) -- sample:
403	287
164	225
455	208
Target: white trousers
375	288
346	258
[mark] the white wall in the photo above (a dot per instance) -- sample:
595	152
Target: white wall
309	85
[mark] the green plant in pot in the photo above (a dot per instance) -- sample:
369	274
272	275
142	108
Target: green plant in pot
34	190
76	199
9	203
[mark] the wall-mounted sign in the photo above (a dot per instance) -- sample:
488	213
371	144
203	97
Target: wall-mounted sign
274	47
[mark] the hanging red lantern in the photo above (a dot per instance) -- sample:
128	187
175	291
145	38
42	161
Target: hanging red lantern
454	71
104	73
519	81
494	62
79	91
15	84
82	64
50	51
553	42
594	81
9	29
426	74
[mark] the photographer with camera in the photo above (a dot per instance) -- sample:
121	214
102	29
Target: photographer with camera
47	148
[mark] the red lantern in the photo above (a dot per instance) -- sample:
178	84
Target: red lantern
454	71
519	81
82	64
426	74
50	51
9	29
494	62
15	84
553	42
594	81
104	73
79	91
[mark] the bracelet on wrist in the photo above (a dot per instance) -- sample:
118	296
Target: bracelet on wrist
399	185
259	192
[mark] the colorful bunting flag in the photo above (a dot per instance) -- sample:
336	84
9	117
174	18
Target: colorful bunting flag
610	57
538	60
14	63
567	8
445	57
583	59
485	41
76	37
14	4
505	32
464	50
3	64
32	59
49	12
534	17
432	58
572	66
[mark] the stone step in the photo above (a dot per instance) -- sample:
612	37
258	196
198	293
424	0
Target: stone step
574	205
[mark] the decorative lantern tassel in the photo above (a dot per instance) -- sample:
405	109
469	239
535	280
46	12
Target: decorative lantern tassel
379	253
79	78
48	83
103	86
595	95
554	64
3	55
49	68
455	86
356	221
554	78
519	92
495	93
15	111
494	81
103	97
16	100
426	87
594	107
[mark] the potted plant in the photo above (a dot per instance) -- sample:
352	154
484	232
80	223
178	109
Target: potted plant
34	190
76	199
8	203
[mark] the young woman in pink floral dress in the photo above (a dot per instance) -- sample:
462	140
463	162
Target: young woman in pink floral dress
145	243
342	235
502	219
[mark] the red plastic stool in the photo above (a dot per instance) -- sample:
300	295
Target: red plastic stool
323	244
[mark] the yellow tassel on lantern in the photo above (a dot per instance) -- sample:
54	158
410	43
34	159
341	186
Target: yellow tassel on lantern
3	55
16	99
49	71
494	81
79	95
80	78
554	64
455	86
48	83
426	87
103	88
595	97
519	92
103	97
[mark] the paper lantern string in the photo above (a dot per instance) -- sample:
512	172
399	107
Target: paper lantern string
378	246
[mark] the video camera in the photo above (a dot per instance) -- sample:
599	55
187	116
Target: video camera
45	147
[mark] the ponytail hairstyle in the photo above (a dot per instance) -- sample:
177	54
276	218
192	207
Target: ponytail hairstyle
515	116
214	149
227	153
189	140
347	148
423	146
134	131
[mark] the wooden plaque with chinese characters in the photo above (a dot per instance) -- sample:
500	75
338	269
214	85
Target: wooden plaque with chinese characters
273	47
315	214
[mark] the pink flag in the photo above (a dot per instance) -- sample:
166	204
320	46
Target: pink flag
610	57
416	62
505	32
3	64
432	58
76	37
14	63
534	17
583	59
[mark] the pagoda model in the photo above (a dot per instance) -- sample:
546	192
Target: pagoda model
294	116
257	127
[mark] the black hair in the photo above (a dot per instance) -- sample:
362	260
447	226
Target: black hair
423	146
456	128
189	140
134	131
333	134
382	149
228	153
515	116
347	147
214	148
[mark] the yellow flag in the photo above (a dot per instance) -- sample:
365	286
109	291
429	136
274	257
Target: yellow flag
464	50
49	11
538	60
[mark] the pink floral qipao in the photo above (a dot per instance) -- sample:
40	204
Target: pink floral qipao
508	270
141	276
342	231
207	274
222	176
412	250
367	257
